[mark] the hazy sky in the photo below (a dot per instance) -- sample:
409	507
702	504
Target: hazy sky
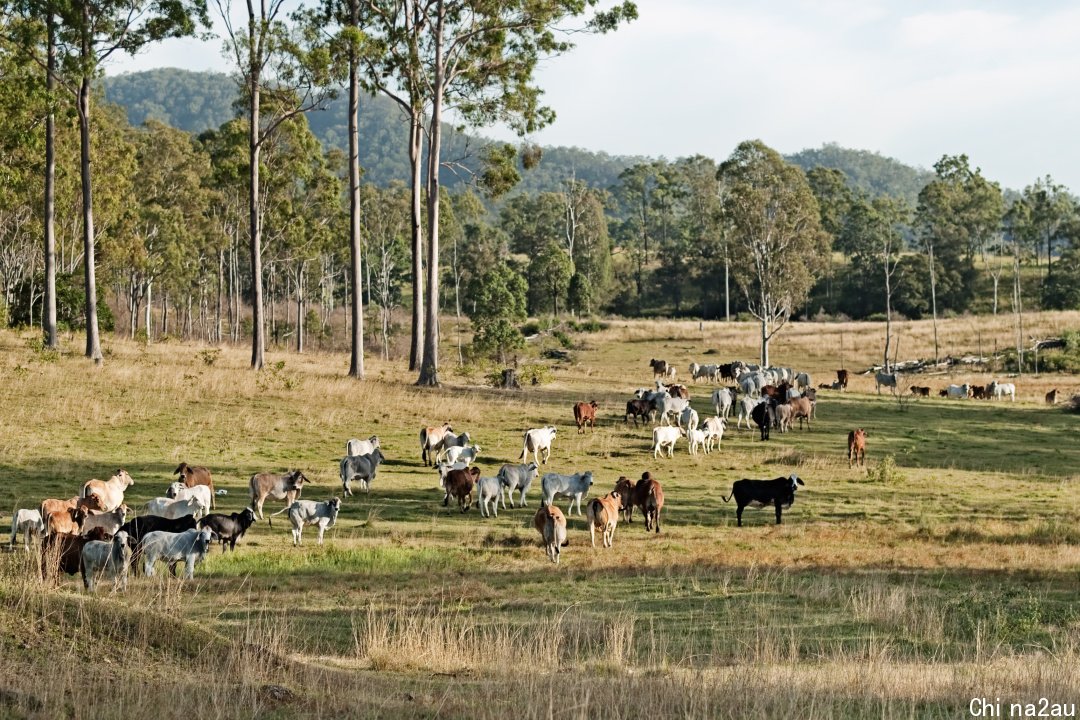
999	81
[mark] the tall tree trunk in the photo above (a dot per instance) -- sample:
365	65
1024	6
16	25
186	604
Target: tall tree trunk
220	290
727	288
888	312
149	313
933	298
300	308
356	361
165	314
429	368
416	345
764	342
49	315
93	339
258	340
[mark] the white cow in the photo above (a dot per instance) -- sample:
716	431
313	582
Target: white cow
998	390
173	509
465	455
179	491
101	559
886	379
488	492
723	399
572	486
537	440
688	418
714	431
310	512
665	437
696	440
958	391
188	547
671	406
27	522
746	406
361	447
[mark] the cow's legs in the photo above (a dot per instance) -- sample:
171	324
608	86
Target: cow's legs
738	514
778	511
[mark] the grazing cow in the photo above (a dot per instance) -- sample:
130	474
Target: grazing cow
188	547
460	483
842	378
169	508
362	447
759	493
310	512
109	493
856	447
920	391
229	528
432	440
957	391
659	367
764	415
193	476
585	414
519	478
723	400
27	522
110	522
646	494
360	467
465	455
574	486
66	521
551	524
638	408
802	409
603	515
997	391
488	491
106	559
1052	397
696	441
537	440
714	432
178	491
886	379
665	437
287	487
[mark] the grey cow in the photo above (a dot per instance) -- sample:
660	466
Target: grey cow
571	486
519	478
362	468
488	491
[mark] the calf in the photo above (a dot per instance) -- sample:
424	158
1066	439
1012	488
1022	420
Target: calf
764	415
665	437
714	432
460	483
362	447
188	547
287	486
488	491
62	552
66	521
27	522
696	441
659	367
309	512
465	455
431	442
646	494
169	508
585	414
759	493
638	408
920	391
48	507
571	486
551	524
106	559
196	476
360	467
536	441
110	522
179	491
801	409
856	447
229	528
603	515
519	478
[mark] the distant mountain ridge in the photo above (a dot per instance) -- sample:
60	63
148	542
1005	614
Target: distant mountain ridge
197	101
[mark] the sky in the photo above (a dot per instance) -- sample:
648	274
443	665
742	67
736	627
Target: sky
913	80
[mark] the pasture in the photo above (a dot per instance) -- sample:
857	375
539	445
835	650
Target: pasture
902	592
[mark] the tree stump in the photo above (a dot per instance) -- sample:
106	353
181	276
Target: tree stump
509	380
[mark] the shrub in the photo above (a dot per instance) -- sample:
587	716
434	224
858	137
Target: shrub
534	374
886	472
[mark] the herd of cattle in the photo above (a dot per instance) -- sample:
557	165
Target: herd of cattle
92	535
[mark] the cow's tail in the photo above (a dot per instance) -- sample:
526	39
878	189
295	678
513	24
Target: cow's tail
423	444
270	517
728	498
524	446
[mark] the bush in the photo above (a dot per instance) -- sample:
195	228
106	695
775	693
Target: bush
565	340
886	472
535	374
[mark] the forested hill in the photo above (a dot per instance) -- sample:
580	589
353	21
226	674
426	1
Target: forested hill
869	171
197	101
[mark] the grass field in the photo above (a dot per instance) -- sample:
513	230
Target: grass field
902	594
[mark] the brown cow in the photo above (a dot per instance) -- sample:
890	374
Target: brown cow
920	391
603	515
801	408
645	494
63	552
978	392
459	483
585	414
856	447
50	506
199	475
286	486
65	521
842	378
431	442
659	367
674	390
1051	397
551	524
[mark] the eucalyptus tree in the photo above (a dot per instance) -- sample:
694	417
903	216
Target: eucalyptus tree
292	72
1050	213
778	245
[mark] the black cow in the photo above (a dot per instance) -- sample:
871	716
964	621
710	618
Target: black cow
759	493
137	528
229	528
764	415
